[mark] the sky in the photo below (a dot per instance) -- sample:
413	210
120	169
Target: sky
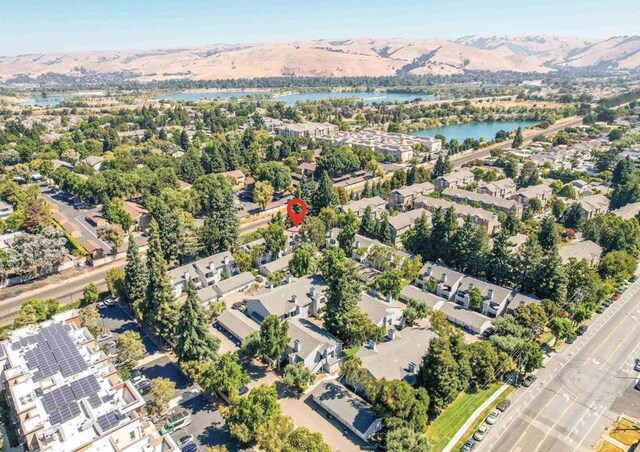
43	26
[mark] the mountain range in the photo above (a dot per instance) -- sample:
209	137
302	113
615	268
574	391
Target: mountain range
332	58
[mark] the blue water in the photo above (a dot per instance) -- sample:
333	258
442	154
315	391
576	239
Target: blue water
291	99
54	100
475	130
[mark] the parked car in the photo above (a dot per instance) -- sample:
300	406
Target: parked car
637	365
503	405
615	296
135	373
492	417
109	302
480	433
633	279
100	305
638	385
607	303
239	306
189	448
186	440
468	446
144	388
488	332
105	337
600	309
531	379
581	330
138	378
571	340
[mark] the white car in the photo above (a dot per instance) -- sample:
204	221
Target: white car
100	305
480	433
493	417
105	337
109	302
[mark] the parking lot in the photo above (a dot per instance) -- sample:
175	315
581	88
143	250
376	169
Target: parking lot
207	425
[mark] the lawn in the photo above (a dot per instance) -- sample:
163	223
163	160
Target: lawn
480	419
450	420
351	351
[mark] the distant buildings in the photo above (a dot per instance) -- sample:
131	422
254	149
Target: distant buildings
629	211
399	145
377	204
308	130
593	205
542	192
63	393
401	224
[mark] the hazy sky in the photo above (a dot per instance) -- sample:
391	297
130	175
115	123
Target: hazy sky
33	26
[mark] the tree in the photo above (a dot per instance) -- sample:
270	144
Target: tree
303	439
302	262
442	166
500	262
617	265
623	172
249	413
417	239
485	363
325	195
130	348
518	140
548	235
274	337
37	215
135	279
272	435
368	223
561	328
35	310
390	282
274	236
277	174
529	175
416	309
115	282
162	390
113	210
315	231
224	375
469	245
36	254
298	376
348	231
262	193
90	294
401	405
90	318
531	316
573	216
195	342
405	439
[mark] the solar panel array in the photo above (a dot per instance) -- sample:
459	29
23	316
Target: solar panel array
54	351
60	404
108	421
87	387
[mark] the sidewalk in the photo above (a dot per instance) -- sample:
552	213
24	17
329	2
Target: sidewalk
473	417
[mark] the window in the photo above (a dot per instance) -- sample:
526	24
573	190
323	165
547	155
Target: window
132	434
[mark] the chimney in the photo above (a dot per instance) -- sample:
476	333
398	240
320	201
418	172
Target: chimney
312	292
357	244
212	266
412	368
489	294
296	346
429	271
226	260
294	298
391	334
186	276
389	298
443	278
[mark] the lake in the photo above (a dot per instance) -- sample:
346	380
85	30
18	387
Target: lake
291	99
54	100
475	130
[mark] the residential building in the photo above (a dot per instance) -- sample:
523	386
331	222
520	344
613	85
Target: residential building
593	205
140	216
308	130
280	264
63	394
412	292
236	324
401	198
6	209
363	248
439	279
399	145
542	192
205	272
377	204
502	188
382	313
456	179
483	200
625	212
471	321
519	300
311	345
236	176
233	284
480	217
349	409
581	249
398	356
299	298
95	162
494	298
402	223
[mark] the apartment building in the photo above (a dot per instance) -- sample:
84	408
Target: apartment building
63	393
503	188
315	130
542	192
485	201
401	198
455	179
204	272
401	224
593	205
377	204
480	217
399	145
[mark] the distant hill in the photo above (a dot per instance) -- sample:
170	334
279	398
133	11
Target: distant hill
352	57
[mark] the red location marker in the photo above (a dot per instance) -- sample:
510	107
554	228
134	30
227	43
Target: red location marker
296	217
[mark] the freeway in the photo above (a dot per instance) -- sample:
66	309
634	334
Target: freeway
580	391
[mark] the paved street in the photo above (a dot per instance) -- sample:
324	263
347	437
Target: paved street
580	391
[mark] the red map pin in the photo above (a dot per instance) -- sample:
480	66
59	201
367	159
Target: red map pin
296	217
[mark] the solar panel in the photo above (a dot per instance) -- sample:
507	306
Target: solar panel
60	404
108	421
87	387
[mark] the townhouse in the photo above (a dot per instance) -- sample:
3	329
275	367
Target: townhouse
629	211
377	204
401	198
542	192
455	179
492	299
383	313
311	345
485	201
503	188
593	205
579	250
480	217
401	224
204	272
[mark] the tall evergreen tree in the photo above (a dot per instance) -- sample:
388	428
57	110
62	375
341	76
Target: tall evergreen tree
384	231
468	247
135	279
517	139
348	230
500	261
527	263
368	223
417	239
195	342
548	235
551	277
325	195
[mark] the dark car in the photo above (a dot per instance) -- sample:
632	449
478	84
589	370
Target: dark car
531	379
243	390
607	303
638	385
600	309
637	366
488	332
571	340
469	445
239	306
633	279
190	448
503	405
581	330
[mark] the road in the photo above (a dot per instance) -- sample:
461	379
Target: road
580	391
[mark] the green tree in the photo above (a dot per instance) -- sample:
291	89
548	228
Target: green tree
401	405
35	310
262	193
485	363
274	236
518	140
129	348
224	375
368	223
277	174
548	234
163	390
135	279
348	231
405	439
302	262
90	318
325	195
561	328
390	282
499	262
249	413
115	282
303	439
113	210
90	294
573	216
415	310
531	316
617	265
298	376
274	337
195	342
442	166
272	436
315	231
